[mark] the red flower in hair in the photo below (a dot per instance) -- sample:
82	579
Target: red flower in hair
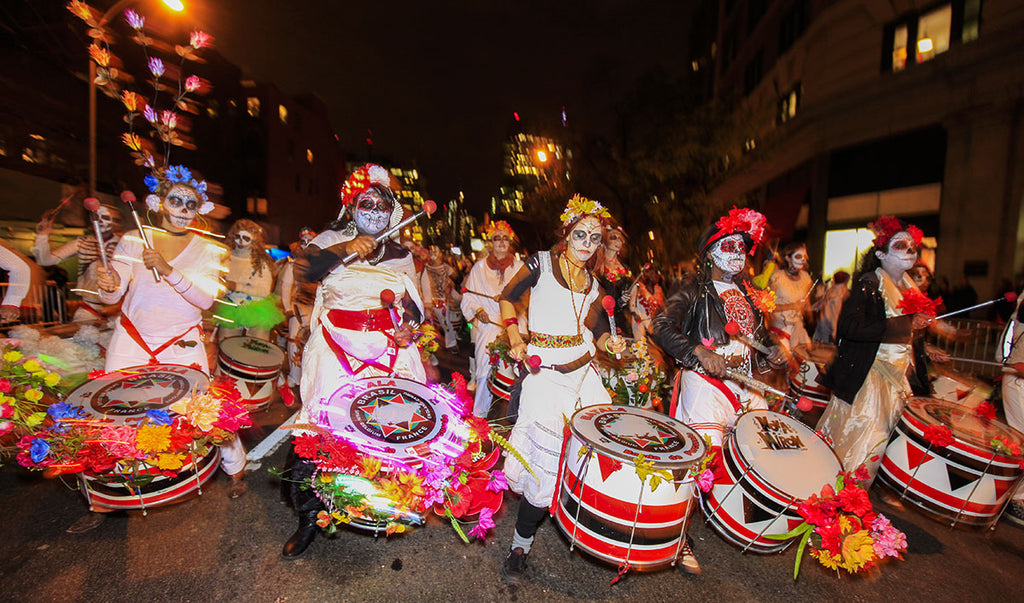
884	228
916	234
913	302
747	221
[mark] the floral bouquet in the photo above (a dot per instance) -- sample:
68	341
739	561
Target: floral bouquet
640	382
377	491
65	440
498	350
913	301
26	388
427	340
843	530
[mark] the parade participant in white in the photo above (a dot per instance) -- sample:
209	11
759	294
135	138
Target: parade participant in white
792	287
19	281
438	289
484	284
564	321
248	308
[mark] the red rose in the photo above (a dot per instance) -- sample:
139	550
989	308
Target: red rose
986	410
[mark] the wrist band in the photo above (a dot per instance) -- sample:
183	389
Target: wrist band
606	342
511	321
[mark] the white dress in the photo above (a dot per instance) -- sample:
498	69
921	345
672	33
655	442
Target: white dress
790	300
549	397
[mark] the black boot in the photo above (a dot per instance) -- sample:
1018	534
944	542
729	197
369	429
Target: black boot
302	537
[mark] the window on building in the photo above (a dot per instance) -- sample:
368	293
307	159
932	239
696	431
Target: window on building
921	36
282	113
792	26
789	103
252	105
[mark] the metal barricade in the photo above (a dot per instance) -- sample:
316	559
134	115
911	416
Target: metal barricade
44	305
977	340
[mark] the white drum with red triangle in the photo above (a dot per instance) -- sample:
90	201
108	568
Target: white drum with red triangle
255	364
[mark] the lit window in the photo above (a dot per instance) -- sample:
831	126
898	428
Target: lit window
788	105
920	37
899	48
252	105
309	155
933	33
282	113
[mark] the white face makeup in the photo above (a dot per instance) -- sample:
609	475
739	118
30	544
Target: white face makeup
729	254
243	239
106	218
613	240
372	212
901	256
585	239
181	205
500	243
798	260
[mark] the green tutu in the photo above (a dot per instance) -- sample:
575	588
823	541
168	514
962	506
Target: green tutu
262	314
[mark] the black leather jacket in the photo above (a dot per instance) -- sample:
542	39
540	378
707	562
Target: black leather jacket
695	312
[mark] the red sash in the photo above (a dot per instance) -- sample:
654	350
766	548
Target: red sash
133	332
378	320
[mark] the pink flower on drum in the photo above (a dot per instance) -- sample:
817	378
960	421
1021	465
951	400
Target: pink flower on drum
888	541
632	376
497	482
6	427
192	83
6	411
706	480
120	441
486	523
708	342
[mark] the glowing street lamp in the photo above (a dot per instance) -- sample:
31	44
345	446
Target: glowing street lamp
542	156
174	5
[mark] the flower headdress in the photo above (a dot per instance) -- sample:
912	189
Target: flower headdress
361	179
160	181
580	206
886	228
499	226
744	221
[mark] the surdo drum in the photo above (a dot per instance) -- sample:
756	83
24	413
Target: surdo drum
601	503
502	378
772	463
804	379
255	364
967	482
125	396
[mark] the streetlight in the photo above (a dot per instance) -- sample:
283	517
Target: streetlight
542	156
174	5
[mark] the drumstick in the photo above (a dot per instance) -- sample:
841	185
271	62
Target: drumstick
129	199
429	207
733	330
387	299
51	214
803	403
494	297
1009	296
92	204
608	302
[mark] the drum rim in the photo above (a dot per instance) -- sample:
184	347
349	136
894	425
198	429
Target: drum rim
908	408
670	465
220	352
754	470
70	397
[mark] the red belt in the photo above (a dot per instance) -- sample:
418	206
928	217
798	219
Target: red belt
361	320
133	332
722	387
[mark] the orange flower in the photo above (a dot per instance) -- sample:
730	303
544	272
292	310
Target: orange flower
100	55
132	102
132	140
153	438
80	9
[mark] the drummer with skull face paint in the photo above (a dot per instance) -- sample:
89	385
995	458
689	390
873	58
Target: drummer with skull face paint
792	287
249	307
693	331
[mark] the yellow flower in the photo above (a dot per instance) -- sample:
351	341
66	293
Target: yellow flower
33	395
829	561
394	528
170	462
857	551
32	366
370	466
12	356
339	517
132	141
326	477
153	438
51	379
201	410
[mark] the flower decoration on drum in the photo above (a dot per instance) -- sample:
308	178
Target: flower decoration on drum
26	390
580	206
986	410
636	382
647	473
746	221
1003	445
938	435
842	529
915	302
763	299
703	472
885	227
427	340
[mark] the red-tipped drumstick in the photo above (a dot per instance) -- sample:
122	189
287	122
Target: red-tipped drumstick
129	199
387	299
608	302
1009	296
803	403
733	330
533	363
429	207
92	204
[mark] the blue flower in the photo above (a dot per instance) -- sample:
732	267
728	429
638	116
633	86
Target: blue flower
152	183
159	417
63	410
201	188
40	448
179	173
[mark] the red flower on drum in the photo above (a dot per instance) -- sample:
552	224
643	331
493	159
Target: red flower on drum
938	435
915	302
307	446
1004	445
986	410
854	500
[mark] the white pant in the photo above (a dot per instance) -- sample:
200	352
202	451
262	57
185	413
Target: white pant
707	410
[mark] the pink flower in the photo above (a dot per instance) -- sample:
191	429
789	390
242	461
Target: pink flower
120	441
199	39
6	411
133	18
631	376
150	114
706	480
497	482
888	541
708	342
156	66
486	523
5	386
6	427
192	83
170	118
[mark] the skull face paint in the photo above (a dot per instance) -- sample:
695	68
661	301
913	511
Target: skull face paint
500	244
729	254
901	256
585	239
181	205
107	219
798	260
243	239
613	240
372	212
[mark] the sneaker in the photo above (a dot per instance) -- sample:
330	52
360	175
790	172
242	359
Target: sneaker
515	564
687	562
1015	513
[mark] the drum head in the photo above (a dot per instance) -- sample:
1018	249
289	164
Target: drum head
127	394
252	352
624	432
785	452
965	424
388	414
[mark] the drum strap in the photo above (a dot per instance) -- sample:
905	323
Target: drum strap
722	387
133	332
779	332
569	367
391	354
88	308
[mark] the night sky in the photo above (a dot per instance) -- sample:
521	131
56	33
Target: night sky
437	82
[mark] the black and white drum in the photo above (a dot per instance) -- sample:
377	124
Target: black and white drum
255	364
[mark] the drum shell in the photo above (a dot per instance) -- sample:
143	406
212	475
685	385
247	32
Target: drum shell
501	379
256	375
989	480
804	381
161	491
598	514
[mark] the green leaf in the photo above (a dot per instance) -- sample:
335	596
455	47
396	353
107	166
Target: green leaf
800	554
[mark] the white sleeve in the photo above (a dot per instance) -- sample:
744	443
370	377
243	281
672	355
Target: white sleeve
287	284
124	254
19	278
46	257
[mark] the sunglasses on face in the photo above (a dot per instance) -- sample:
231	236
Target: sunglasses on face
581	235
733	247
176	202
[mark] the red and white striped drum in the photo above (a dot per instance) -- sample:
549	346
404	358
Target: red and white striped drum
125	396
772	462
804	379
255	364
502	377
601	503
967	482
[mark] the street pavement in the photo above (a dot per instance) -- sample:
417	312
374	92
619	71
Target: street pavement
212	548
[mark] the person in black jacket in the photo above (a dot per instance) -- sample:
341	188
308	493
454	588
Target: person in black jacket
882	358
